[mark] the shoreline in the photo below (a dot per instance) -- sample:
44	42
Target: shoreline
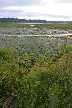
53	35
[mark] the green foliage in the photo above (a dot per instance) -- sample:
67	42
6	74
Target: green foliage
47	83
55	26
37	70
5	54
8	73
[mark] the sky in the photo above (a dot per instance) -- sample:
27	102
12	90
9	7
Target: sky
50	10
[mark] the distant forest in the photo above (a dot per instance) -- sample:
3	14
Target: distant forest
16	20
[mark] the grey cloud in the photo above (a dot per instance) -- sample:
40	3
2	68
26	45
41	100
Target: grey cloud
36	15
9	13
57	16
29	15
13	11
6	3
26	2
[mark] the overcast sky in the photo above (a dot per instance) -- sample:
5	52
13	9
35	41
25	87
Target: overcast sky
37	9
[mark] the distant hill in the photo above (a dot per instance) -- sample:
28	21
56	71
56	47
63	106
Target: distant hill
16	20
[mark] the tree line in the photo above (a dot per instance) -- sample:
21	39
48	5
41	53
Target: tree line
16	20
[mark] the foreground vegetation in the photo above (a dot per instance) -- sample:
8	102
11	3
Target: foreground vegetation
35	72
43	82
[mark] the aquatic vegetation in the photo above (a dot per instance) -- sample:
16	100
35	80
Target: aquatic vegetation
35	72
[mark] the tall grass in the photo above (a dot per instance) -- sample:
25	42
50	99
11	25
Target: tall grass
43	85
